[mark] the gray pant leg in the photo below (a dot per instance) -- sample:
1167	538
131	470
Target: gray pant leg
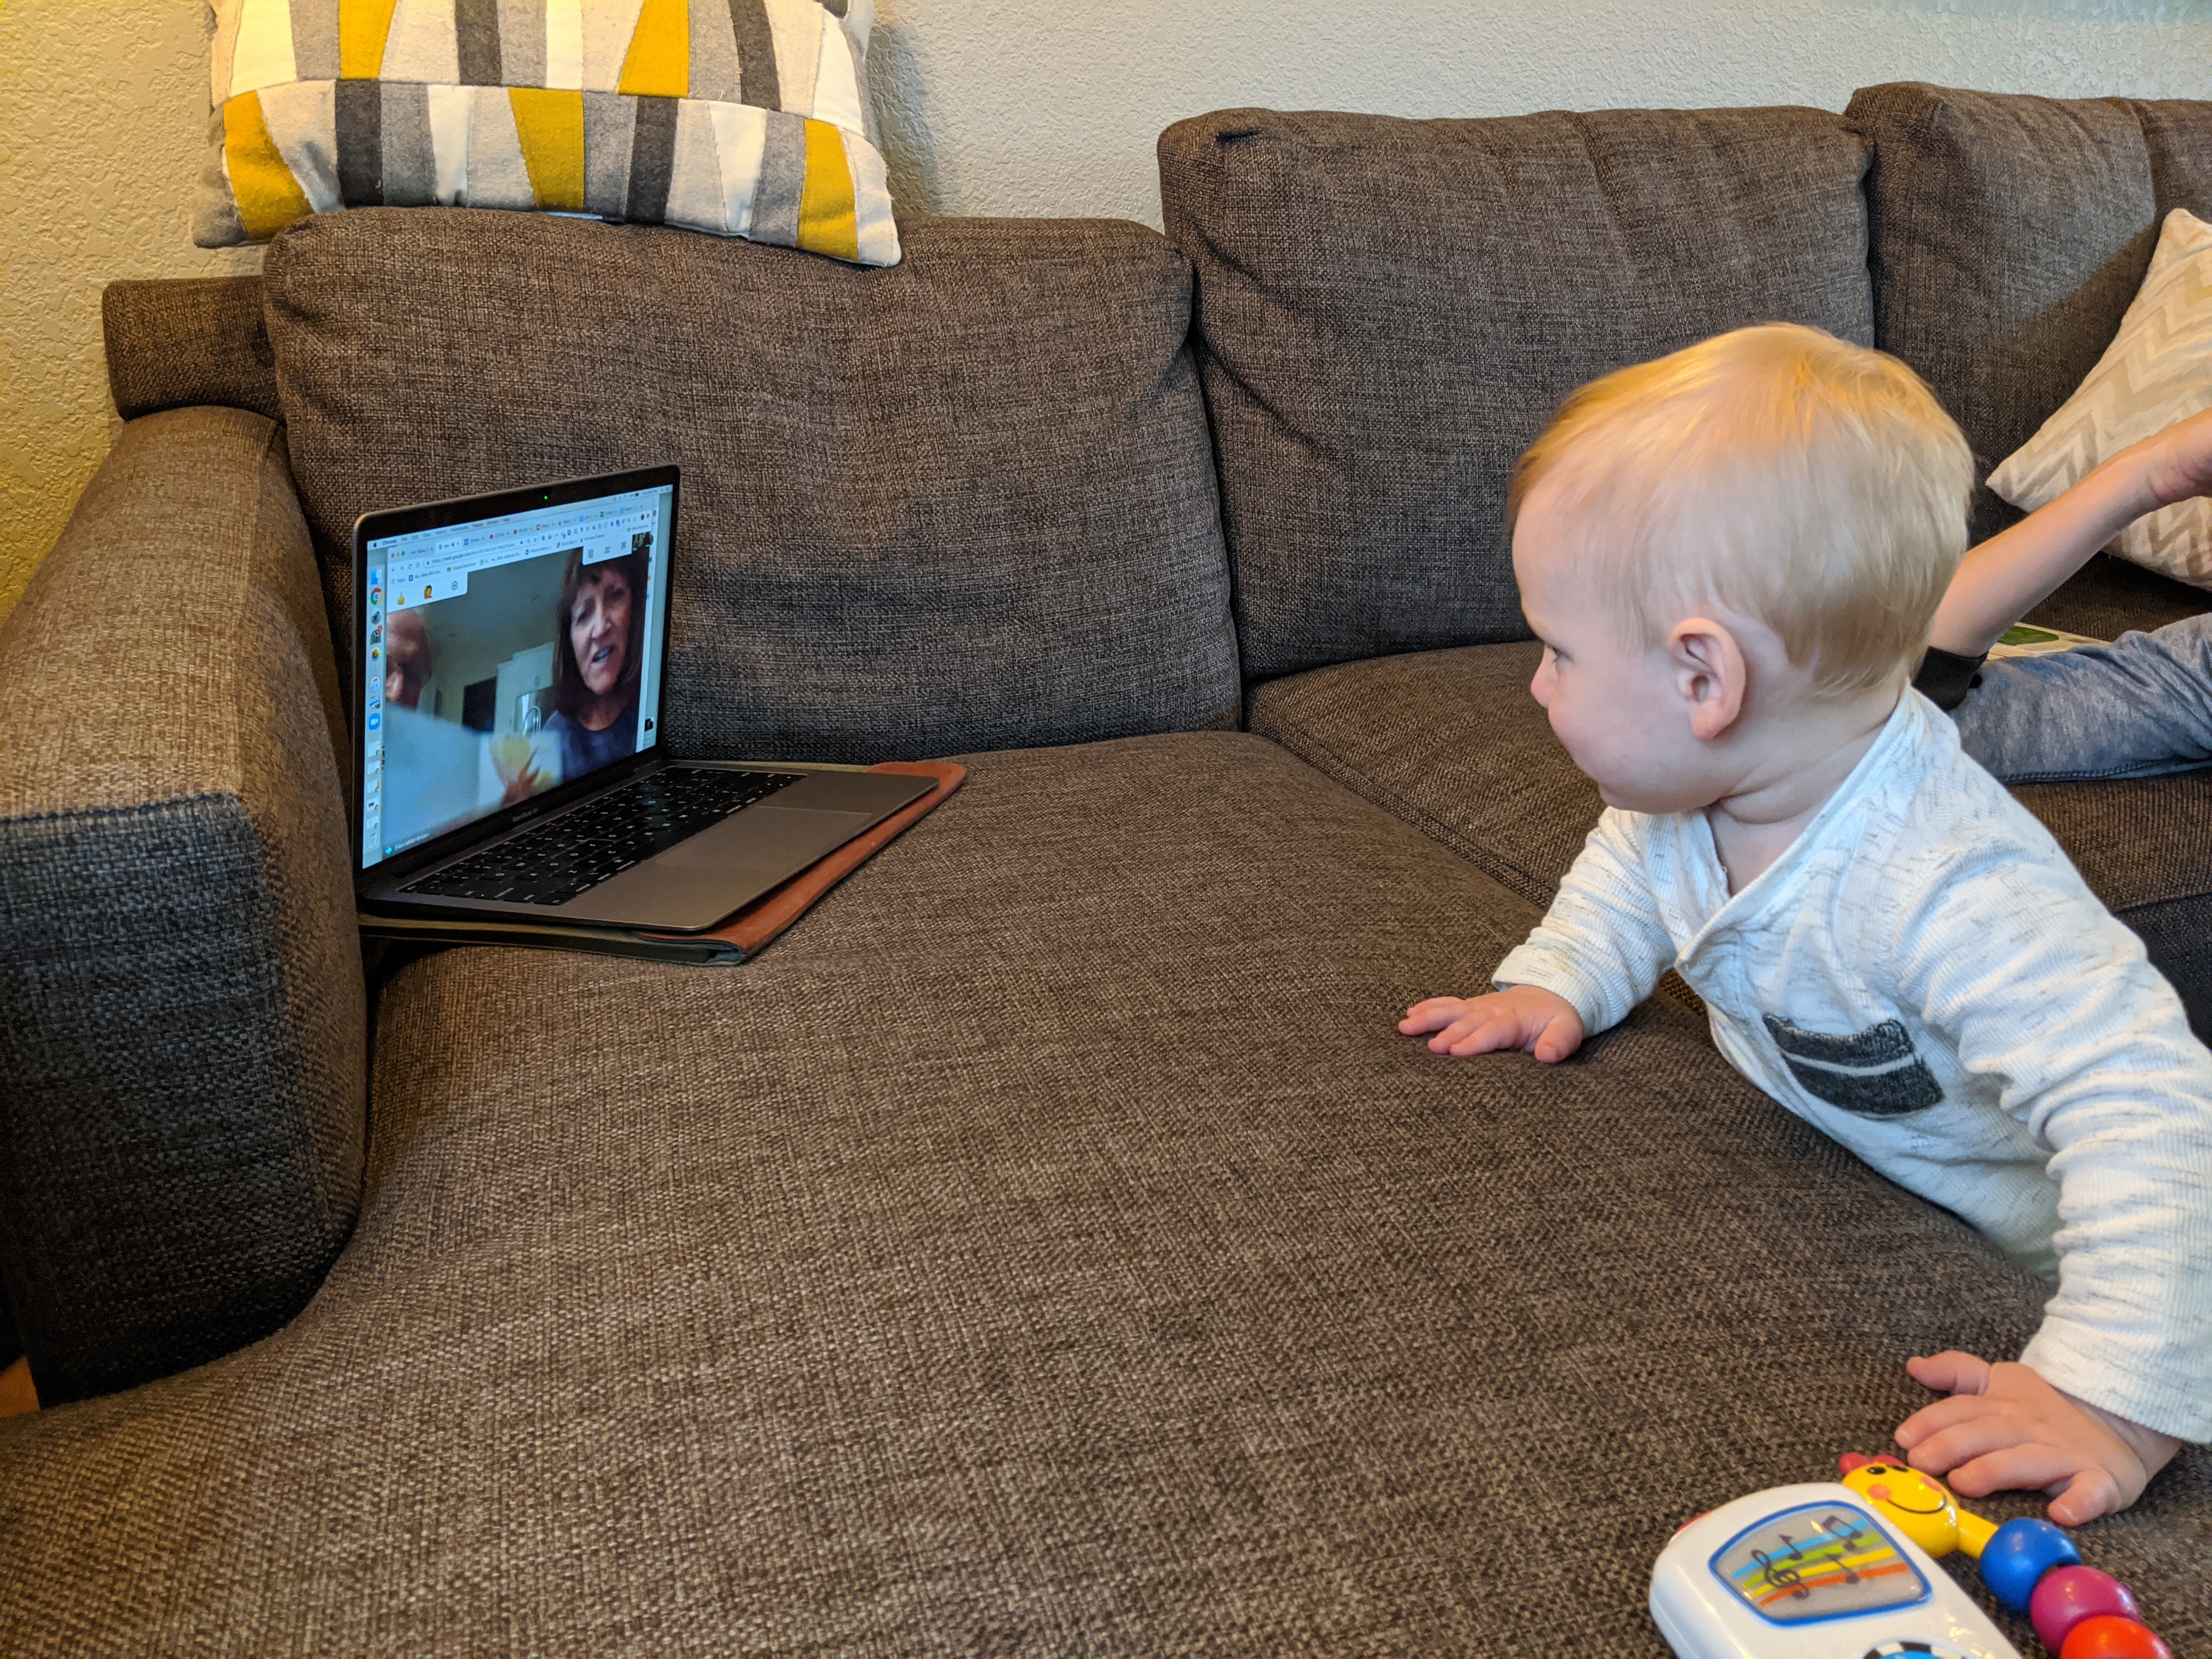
2134	709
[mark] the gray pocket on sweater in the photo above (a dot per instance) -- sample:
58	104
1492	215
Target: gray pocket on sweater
1874	1072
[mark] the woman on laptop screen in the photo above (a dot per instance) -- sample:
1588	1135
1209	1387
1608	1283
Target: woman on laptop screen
597	658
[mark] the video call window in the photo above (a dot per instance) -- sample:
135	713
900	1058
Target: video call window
505	657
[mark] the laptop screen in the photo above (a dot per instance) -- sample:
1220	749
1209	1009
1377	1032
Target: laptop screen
505	656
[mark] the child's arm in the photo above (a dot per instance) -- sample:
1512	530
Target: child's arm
2009	574
2053	1000
1598	952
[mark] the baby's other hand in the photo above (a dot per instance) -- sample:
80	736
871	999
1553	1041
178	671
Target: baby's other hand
1519	1016
2004	1429
2177	463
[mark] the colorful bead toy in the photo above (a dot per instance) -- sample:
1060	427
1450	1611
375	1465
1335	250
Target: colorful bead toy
2107	1637
2029	1565
2018	1556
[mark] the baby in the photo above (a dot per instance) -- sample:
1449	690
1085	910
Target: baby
1732	556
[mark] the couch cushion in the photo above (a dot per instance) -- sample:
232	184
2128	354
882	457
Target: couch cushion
2144	845
964	503
2178	132
2109	596
1390	310
1048	1246
1452	742
2008	234
183	1034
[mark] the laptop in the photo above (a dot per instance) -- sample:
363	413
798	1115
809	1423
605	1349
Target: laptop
511	651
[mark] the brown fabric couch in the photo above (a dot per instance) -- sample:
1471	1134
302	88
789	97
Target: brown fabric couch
1048	1245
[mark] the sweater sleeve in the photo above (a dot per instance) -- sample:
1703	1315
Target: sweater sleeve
1603	945
2051	997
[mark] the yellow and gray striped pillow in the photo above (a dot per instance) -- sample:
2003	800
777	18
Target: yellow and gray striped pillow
745	117
2157	370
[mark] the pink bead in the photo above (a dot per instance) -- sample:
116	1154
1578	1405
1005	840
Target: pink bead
2105	1637
2067	1596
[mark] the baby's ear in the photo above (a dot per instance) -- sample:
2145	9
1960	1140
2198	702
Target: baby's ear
1710	673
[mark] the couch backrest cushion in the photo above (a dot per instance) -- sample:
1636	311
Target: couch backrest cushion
2008	234
1389	311
966	503
2178	131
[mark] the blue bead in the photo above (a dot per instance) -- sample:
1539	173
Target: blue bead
2014	1560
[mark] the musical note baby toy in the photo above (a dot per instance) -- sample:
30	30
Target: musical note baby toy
1829	1571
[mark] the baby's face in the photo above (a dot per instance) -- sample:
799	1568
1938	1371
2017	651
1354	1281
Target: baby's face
1613	705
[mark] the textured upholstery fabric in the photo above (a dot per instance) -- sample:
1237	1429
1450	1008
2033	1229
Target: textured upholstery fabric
2145	846
2110	596
182	1066
965	503
178	341
1390	310
2178	132
1452	742
1048	1247
2008	234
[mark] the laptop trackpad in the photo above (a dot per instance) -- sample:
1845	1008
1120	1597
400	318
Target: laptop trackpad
697	881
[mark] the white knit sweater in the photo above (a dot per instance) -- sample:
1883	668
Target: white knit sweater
1924	977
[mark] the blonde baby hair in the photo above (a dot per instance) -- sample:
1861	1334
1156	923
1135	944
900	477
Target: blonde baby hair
1776	471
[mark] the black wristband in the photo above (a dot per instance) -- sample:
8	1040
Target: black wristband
1945	677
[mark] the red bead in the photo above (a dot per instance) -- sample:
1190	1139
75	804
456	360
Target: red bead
2105	1637
2068	1595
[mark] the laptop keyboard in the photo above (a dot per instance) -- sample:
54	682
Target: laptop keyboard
571	853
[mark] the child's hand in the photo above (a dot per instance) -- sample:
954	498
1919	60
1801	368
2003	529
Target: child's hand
2004	1429
1519	1016
2177	463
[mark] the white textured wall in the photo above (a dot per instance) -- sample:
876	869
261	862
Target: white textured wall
103	110
1021	107
1005	106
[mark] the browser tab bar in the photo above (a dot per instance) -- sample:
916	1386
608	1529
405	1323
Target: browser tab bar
435	564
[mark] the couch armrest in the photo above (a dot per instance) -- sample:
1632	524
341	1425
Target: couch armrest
183	1044
180	342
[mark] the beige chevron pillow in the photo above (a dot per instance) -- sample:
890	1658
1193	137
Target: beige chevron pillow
2157	370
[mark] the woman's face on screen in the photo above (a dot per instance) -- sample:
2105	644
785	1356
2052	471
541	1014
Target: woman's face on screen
599	630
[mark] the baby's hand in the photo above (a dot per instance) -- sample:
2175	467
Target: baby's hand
2004	1429
2177	463
1519	1016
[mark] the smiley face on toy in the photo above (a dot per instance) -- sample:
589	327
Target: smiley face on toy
1921	1505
